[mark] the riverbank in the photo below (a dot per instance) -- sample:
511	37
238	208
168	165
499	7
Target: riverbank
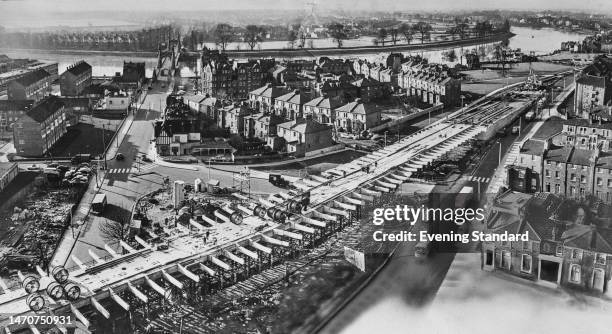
297	53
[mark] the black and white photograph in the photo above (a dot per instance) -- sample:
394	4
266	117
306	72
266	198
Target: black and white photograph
305	166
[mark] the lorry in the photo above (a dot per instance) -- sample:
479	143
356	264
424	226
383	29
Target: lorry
278	181
529	116
99	203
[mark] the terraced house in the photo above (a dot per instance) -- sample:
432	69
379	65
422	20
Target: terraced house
33	86
40	128
565	246
322	109
433	84
291	105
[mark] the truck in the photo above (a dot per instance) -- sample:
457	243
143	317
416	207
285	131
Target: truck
529	116
99	203
278	181
80	158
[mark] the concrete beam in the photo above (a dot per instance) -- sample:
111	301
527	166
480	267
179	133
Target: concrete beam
240	197
220	263
314	222
291	235
221	216
207	270
252	255
233	257
104	312
196	224
172	280
363	197
370	192
302	228
80	317
260	247
273	241
392	180
188	273
382	189
335	211
208	220
346	206
249	212
353	200
139	294
156	287
111	251
124	305
142	242
322	215
386	184
126	247
95	256
78	262
319	179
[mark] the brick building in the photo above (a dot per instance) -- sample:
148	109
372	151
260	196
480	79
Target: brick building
357	116
75	79
40	128
33	86
322	109
594	86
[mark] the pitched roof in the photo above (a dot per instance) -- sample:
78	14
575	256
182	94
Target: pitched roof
366	82
79	68
295	97
269	91
45	108
561	154
324	102
582	157
357	107
590	80
32	77
586	123
304	126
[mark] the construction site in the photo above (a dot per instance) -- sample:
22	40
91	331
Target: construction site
200	261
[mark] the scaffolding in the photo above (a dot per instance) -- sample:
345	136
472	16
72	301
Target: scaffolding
242	181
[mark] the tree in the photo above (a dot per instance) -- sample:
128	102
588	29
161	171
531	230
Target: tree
224	34
422	28
382	35
394	33
114	229
253	35
337	32
406	30
291	38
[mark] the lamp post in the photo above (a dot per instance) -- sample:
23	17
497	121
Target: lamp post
500	154
386	138
462	97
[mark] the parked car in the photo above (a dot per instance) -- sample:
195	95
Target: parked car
119	157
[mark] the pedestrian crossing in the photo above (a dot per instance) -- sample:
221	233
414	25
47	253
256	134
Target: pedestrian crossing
480	179
143	168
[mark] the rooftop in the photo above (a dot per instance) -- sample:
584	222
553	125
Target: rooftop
79	68
32	77
533	147
45	108
550	128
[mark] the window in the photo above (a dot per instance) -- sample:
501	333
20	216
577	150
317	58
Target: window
600	259
557	188
21	142
573	177
574	273
547	172
506	263
559	251
599	181
557	174
582	179
609	183
525	263
576	254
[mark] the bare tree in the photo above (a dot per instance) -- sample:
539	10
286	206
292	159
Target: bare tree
422	28
115	229
406	30
382	36
253	35
394	34
291	38
224	34
337	32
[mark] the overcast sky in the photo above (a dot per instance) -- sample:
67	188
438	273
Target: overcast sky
156	5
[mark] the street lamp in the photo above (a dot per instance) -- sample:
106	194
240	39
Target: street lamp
500	154
386	138
462	97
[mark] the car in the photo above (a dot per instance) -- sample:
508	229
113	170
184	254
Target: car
119	157
145	158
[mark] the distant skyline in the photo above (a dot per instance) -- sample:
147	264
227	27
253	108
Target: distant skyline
42	6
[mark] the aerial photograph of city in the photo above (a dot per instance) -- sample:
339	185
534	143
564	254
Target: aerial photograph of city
306	166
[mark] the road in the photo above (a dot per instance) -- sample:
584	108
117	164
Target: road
123	186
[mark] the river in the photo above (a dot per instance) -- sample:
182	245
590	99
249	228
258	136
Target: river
541	41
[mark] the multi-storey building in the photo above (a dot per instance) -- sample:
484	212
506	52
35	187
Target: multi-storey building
301	136
291	105
261	126
322	109
563	247
368	88
233	117
232	79
433	84
587	134
262	99
34	85
75	79
594	86
8	172
11	111
40	128
356	116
